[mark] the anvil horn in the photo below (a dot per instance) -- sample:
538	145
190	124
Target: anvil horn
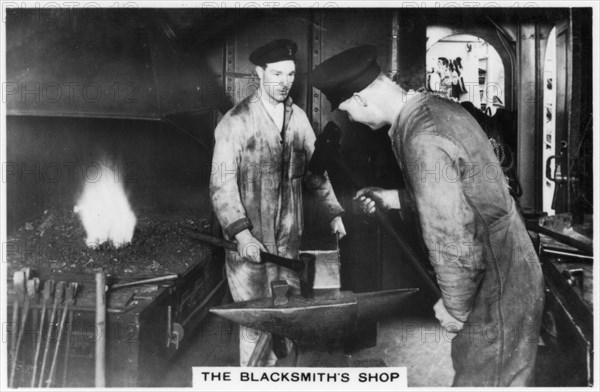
316	321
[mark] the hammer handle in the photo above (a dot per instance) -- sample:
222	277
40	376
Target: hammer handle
294	265
387	226
209	239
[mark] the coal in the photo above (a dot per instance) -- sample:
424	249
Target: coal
55	242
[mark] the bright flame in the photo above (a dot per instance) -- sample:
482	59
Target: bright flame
105	211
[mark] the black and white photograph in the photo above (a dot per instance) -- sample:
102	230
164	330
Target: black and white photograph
299	195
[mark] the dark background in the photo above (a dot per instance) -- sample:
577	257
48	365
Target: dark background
146	88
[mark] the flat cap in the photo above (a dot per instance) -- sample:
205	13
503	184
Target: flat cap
274	51
346	73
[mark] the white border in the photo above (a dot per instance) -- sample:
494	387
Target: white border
306	4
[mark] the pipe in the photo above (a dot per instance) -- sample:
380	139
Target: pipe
100	376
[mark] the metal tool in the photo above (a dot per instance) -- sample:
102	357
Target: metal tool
281	291
316	322
175	331
587	249
294	265
68	347
73	286
46	295
31	292
19	285
140	282
58	297
332	140
69	293
562	177
100	373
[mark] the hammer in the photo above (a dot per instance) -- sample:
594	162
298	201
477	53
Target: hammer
46	294
19	279
329	140
31	292
294	265
58	296
69	292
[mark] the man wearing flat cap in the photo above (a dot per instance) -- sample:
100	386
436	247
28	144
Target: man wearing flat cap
486	266
262	146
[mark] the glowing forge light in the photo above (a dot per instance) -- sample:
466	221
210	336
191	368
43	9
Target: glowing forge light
105	211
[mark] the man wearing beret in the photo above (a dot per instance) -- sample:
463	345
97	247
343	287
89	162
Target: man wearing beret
487	269
262	146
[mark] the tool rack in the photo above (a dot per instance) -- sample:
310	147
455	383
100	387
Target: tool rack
145	326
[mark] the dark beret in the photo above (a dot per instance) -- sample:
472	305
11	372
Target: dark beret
346	73
274	51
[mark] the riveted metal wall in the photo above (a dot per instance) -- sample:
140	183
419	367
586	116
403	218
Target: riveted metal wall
255	29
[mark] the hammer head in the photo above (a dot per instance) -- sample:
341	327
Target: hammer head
20	285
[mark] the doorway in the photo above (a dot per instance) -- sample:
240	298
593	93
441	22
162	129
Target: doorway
466	60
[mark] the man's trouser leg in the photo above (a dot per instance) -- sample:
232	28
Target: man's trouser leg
249	281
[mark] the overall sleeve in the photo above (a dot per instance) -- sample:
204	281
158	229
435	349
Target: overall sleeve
447	220
320	184
224	191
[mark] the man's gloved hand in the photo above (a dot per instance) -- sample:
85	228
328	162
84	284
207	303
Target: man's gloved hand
447	321
337	227
248	246
372	197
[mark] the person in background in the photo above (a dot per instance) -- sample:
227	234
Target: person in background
445	76
433	83
486	266
262	146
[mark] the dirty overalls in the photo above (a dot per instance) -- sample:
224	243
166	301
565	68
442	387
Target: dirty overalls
486	266
256	183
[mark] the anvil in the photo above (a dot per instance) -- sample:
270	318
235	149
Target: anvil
315	322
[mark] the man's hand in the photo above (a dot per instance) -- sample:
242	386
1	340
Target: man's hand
337	227
248	246
371	198
447	321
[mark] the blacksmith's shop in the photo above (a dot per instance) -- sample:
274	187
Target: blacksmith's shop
316	196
